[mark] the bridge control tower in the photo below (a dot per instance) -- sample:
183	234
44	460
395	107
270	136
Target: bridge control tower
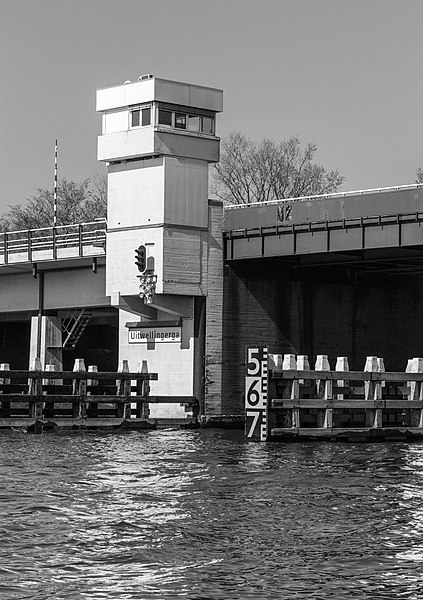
164	235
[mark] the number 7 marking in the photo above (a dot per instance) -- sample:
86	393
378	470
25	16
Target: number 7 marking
255	414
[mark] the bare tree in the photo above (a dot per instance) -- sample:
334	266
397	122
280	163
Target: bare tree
251	171
76	203
419	175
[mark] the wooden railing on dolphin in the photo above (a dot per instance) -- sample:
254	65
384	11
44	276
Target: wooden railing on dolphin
286	400
78	398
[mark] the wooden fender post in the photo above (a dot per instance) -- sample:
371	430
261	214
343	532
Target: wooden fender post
303	364
92	408
416	392
292	390
256	390
275	361
373	391
35	388
143	389
324	390
5	406
123	410
79	388
381	369
342	365
49	408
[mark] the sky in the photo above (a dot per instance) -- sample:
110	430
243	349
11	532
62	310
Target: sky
344	74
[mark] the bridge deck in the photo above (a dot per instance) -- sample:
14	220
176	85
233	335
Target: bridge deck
340	223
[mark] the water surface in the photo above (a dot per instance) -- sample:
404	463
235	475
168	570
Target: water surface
206	515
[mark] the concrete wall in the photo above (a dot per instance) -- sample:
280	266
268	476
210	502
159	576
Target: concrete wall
214	312
317	314
177	379
135	194
144	196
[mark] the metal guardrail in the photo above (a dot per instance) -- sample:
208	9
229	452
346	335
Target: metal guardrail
50	243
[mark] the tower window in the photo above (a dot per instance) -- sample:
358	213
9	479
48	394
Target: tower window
208	125
180	121
165	117
186	118
146	116
140	116
193	123
135	118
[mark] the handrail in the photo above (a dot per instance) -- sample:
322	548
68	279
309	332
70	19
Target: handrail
30	241
98	223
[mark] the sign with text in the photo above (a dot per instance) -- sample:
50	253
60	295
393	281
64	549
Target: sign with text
156	334
256	394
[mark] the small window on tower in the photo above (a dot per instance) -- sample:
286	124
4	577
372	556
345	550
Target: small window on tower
135	118
180	121
193	123
165	117
146	116
208	125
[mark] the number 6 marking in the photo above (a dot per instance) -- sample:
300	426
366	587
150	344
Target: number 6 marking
253	396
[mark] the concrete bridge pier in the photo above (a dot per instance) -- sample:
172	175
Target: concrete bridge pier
46	341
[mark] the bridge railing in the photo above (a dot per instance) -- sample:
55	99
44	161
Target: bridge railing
50	243
286	400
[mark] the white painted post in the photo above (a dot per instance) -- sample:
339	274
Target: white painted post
373	391
275	361
35	388
416	391
49	368
123	389
4	367
414	365
325	388
79	409
289	362
371	366
143	410
303	364
92	369
292	391
343	366
381	369
5	405
416	387
92	406
49	408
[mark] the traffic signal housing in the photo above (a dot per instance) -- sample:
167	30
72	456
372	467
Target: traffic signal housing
141	258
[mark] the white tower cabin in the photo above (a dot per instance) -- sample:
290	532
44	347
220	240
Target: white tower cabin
158	137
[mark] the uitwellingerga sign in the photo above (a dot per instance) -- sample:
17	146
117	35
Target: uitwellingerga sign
154	334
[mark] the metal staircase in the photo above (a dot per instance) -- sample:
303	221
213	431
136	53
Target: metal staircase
73	326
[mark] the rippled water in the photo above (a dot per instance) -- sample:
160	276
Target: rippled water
205	515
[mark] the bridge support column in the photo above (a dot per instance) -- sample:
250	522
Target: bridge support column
46	341
213	400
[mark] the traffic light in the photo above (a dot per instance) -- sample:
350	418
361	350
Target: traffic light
140	258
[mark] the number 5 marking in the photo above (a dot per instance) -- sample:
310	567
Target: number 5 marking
255	370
